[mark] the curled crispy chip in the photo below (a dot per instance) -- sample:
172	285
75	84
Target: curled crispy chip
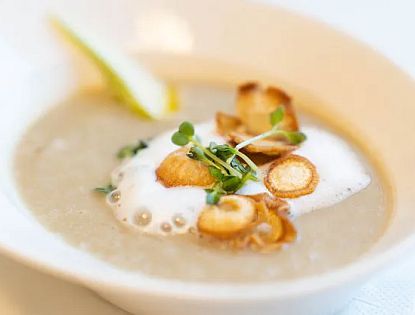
270	229
275	204
226	123
254	105
231	216
291	177
280	229
271	218
179	170
272	147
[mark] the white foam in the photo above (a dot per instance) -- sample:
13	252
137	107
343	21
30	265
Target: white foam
341	175
139	188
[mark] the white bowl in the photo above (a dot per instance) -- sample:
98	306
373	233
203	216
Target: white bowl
211	40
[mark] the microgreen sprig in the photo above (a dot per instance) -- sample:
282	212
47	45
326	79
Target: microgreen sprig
186	135
105	189
131	150
276	117
230	168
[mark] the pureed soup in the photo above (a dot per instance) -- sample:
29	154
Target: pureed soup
72	149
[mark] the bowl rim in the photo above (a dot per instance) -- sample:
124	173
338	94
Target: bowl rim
358	270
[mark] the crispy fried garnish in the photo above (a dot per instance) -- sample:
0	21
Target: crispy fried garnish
269	230
291	177
231	216
261	159
226	123
279	229
271	147
179	170
254	108
254	105
275	204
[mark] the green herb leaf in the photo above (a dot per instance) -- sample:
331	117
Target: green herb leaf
277	116
105	189
212	147
180	139
231	183
131	150
230	168
236	164
187	129
213	197
295	137
196	153
216	173
222	151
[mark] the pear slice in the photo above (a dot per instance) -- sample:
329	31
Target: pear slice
134	85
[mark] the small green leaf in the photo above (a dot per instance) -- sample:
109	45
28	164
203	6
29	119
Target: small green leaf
295	137
105	189
222	151
179	139
215	172
236	164
187	129
196	153
231	183
131	150
277	116
213	197
212	147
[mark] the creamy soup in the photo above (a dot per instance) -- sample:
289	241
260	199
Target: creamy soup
71	150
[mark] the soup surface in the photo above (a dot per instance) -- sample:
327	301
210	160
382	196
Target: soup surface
71	150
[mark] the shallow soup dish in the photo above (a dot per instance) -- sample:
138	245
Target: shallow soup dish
335	83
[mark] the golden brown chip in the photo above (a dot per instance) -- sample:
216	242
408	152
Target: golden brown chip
291	177
273	220
231	216
261	159
226	123
179	170
270	229
290	233
282	231
273	203
255	104
272	147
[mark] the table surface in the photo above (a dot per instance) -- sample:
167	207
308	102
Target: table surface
384	24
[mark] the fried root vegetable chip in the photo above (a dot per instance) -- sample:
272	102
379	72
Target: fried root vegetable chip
226	123
177	169
231	216
255	104
271	228
271	147
282	230
275	204
291	176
